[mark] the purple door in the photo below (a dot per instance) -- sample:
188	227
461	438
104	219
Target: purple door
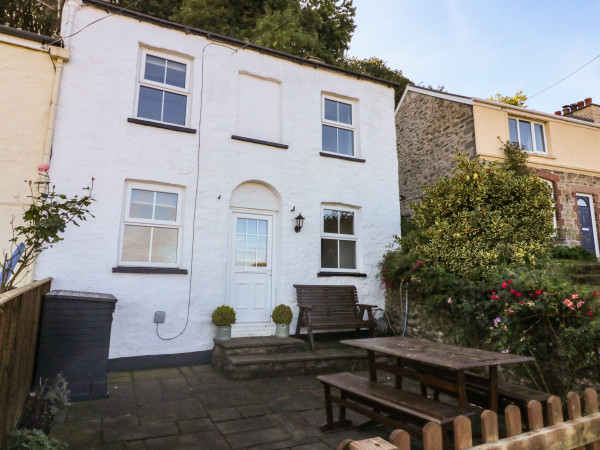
586	225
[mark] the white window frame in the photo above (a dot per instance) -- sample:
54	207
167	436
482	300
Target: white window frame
340	237
532	124
340	125
127	220
141	81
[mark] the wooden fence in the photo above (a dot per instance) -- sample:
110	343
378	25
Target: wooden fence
19	325
576	433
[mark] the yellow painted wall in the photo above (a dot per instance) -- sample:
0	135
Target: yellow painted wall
572	146
26	80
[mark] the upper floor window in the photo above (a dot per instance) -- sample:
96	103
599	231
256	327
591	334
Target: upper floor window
529	134
151	230
338	239
338	127
163	88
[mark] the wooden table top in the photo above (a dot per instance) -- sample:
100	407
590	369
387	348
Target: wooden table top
436	354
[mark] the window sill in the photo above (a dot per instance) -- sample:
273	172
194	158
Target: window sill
341	274
541	155
152	270
259	141
166	126
347	158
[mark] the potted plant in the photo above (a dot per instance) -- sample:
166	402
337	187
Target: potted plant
282	316
223	317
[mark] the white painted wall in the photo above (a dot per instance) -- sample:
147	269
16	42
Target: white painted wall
93	138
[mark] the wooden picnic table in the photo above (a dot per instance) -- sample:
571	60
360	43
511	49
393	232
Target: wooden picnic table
440	366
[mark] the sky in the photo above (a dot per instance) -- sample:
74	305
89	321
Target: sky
478	48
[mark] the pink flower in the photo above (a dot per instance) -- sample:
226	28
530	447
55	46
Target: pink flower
519	294
450	300
574	296
43	167
512	291
568	303
511	310
539	292
589	313
504	286
579	304
508	281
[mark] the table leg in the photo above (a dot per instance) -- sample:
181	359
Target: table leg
328	406
371	362
461	384
399	377
493	380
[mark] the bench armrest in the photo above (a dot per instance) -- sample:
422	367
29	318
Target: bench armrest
305	307
363	305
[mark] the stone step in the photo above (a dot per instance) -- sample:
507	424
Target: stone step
584	267
259	345
586	278
331	358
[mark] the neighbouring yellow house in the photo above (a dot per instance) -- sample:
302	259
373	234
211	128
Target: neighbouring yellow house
30	71
564	150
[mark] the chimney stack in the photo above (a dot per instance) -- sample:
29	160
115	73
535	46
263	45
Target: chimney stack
583	110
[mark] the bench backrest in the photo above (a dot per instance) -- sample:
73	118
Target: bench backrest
327	299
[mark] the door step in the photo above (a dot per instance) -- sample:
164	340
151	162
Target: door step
261	357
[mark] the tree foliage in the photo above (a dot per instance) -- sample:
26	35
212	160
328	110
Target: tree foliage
37	16
378	68
321	28
486	216
518	99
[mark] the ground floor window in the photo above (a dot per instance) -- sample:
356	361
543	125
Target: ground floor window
338	239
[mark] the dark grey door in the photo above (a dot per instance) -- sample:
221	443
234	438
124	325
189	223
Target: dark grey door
586	226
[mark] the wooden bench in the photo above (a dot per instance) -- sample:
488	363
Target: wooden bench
385	404
326	308
477	388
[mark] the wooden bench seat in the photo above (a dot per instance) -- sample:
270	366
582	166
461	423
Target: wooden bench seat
507	392
328	307
384	403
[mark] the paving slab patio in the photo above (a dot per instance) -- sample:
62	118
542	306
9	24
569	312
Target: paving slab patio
196	408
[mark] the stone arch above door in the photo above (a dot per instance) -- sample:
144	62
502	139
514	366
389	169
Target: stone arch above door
255	195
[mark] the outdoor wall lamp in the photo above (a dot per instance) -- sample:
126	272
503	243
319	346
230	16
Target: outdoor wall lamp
299	223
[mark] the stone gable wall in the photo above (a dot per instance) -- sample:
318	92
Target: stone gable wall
428	129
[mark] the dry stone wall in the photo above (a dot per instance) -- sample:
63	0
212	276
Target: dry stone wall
428	129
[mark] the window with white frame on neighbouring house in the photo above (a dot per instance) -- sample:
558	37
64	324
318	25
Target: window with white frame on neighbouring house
529	134
151	229
338	127
163	88
338	239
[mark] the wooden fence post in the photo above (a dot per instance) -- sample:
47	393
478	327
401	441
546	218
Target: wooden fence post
554	410
432	436
462	433
400	439
574	409
535	415
489	426
512	415
590	397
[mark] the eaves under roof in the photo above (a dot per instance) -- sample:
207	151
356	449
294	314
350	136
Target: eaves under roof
116	9
42	39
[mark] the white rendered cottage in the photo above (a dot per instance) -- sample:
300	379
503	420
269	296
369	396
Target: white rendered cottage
204	151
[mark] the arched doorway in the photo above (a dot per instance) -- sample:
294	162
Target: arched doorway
254	209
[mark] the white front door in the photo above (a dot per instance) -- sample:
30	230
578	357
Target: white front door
251	257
